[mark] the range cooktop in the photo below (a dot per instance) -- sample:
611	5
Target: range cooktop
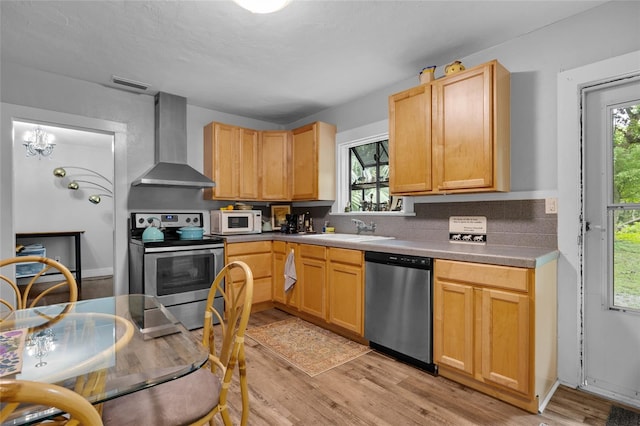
169	224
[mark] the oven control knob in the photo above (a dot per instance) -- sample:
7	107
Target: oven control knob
141	220
188	220
195	220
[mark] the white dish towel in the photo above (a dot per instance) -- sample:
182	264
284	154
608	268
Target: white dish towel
290	276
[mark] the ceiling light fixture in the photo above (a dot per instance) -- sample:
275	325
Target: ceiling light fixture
39	142
262	6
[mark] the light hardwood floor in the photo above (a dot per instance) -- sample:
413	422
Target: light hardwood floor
92	288
375	389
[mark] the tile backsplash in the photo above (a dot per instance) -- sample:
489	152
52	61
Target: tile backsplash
521	223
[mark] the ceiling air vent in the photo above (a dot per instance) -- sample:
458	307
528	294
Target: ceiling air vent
129	83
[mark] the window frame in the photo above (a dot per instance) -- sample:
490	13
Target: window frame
343	179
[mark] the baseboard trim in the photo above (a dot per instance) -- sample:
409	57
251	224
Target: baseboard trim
545	401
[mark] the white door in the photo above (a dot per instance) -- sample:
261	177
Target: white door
611	262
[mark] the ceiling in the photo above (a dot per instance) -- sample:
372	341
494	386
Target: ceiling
279	67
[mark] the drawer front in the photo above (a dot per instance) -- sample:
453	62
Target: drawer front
279	246
259	263
351	257
506	277
313	252
247	248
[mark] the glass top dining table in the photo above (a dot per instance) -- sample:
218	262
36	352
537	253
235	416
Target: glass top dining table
102	348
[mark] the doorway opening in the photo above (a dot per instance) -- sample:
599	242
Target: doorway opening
611	238
70	189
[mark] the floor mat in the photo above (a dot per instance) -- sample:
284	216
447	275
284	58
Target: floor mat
619	416
308	347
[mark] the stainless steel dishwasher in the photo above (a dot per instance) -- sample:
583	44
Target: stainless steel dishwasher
399	307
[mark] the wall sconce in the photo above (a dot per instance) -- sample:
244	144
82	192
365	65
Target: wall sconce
74	185
262	6
39	142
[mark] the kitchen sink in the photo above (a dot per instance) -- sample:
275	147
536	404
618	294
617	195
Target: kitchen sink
350	238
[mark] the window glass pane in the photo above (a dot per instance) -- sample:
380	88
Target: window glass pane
626	253
366	153
356	200
626	155
384	173
369	186
370	174
384	152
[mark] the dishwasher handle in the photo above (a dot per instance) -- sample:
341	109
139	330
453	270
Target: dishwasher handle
404	260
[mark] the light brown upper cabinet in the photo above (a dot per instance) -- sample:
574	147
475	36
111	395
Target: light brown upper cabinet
274	165
248	173
231	160
220	142
410	143
270	165
313	163
452	135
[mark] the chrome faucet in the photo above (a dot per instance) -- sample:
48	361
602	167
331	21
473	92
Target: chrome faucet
361	226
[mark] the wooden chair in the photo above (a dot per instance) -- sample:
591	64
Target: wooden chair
16	392
48	266
197	397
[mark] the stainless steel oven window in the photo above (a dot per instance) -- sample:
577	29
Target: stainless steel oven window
179	272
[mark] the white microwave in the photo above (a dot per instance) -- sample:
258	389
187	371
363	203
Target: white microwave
230	222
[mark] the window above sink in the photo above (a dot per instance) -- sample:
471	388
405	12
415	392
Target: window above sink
353	141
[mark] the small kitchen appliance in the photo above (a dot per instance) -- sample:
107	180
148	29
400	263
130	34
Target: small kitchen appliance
291	225
175	270
233	222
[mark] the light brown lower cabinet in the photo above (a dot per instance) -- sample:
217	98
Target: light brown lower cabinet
495	329
311	268
281	251
258	255
345	270
329	289
494	326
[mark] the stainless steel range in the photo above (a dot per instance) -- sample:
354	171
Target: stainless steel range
179	272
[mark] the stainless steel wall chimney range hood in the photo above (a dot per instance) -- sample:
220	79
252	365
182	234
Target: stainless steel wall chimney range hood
171	168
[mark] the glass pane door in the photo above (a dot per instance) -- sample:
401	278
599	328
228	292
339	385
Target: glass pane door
611	261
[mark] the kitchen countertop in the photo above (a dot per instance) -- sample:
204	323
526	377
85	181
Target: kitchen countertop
524	257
